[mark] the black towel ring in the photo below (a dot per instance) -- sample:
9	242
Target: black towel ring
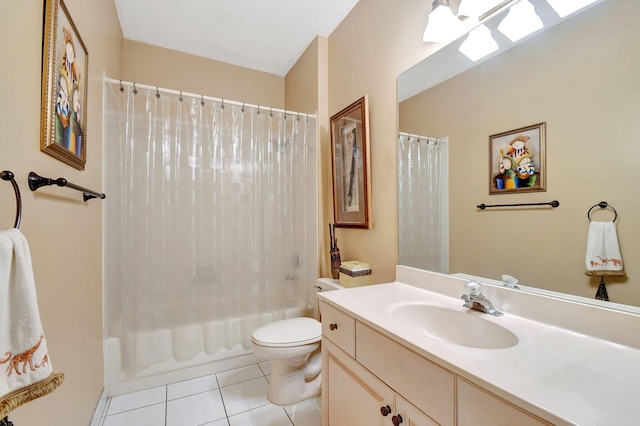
7	175
602	205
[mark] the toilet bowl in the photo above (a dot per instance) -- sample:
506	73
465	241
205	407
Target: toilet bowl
293	347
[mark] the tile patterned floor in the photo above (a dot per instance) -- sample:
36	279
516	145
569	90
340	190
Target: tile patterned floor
230	398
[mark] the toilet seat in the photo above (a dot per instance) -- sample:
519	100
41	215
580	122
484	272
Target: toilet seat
288	332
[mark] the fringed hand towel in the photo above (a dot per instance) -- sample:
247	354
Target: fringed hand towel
25	368
603	252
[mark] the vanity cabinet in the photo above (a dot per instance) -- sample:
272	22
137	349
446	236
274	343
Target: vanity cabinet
426	385
354	396
478	407
370	379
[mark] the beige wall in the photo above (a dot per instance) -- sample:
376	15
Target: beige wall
170	69
581	79
363	61
64	233
306	90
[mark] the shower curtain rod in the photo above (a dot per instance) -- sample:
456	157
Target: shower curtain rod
203	97
422	137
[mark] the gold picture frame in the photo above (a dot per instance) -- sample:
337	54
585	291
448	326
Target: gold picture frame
65	70
517	160
351	167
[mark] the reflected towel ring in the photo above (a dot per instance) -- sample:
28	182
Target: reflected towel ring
7	175
602	205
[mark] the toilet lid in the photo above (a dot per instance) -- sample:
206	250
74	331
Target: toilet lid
288	332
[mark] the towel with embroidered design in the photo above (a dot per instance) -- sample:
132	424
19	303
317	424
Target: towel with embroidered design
603	251
26	372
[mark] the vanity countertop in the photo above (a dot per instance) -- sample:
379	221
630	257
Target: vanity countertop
563	376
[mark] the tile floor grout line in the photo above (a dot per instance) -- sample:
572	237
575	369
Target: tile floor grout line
288	416
135	408
224	406
219	389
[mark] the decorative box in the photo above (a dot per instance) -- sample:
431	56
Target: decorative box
354	273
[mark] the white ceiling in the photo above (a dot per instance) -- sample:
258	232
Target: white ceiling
264	35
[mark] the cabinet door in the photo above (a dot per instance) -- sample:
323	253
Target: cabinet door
478	407
408	415
350	394
428	386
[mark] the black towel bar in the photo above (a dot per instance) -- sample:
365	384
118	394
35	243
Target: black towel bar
36	182
554	204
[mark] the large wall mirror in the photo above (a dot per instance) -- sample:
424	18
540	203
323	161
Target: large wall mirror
581	77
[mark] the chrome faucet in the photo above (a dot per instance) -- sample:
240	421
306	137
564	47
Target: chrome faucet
476	300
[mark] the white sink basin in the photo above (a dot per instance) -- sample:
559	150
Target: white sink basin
464	328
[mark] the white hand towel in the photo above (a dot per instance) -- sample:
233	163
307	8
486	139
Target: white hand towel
603	252
25	368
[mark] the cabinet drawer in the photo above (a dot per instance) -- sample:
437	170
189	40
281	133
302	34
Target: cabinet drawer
478	407
429	387
338	327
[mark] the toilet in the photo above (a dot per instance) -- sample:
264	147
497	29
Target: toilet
293	347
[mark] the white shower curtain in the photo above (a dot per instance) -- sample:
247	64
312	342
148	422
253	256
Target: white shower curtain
423	202
211	217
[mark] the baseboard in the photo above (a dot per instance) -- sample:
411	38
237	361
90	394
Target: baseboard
101	409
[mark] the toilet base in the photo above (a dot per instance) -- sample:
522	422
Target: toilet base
294	379
279	396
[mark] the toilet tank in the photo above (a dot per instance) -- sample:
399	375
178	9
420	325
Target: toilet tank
324	284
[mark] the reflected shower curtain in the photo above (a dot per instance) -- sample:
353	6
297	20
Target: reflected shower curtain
210	218
423	204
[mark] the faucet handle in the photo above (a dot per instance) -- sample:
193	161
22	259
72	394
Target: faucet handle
473	287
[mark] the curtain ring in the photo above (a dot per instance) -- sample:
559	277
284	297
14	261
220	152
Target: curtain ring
298	119
242	109
202	100
135	90
285	114
307	117
258	113
270	112
121	87
157	93
222	104
180	98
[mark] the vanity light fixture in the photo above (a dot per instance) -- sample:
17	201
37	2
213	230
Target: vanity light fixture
477	8
442	24
567	7
478	44
521	21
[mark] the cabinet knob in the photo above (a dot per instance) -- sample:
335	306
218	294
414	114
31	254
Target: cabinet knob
333	327
396	420
385	411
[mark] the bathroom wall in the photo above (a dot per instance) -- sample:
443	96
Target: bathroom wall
157	66
64	233
370	48
580	79
306	90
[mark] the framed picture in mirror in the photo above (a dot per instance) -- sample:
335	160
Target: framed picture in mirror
517	160
65	68
351	166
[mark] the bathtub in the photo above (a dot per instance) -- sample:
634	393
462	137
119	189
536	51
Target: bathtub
165	355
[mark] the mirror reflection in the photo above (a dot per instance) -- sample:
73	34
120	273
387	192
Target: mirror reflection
579	77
